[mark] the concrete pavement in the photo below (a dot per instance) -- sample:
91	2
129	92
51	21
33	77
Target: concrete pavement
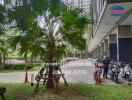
14	77
79	71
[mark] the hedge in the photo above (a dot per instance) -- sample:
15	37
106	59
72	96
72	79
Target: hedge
19	66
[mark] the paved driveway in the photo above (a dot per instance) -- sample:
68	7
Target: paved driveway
14	77
79	71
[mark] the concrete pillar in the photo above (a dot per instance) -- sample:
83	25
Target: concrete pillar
124	43
113	46
96	52
106	48
99	51
102	49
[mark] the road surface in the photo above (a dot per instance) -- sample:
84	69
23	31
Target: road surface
79	71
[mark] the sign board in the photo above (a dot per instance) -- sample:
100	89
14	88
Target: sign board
117	11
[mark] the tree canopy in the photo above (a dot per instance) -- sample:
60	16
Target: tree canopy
45	27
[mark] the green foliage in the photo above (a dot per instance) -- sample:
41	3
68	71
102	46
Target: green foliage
16	67
70	52
3	20
42	40
39	6
59	52
73	29
20	66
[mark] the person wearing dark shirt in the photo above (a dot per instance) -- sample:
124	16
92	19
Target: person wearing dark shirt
106	63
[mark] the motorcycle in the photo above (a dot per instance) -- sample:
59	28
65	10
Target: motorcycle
126	72
114	72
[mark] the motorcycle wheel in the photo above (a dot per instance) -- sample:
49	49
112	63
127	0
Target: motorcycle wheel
116	78
128	77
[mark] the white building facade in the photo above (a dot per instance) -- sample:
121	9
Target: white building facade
82	4
112	30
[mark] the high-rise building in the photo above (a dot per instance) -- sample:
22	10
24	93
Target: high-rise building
82	4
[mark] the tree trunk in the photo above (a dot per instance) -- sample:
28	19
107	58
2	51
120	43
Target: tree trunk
1	63
51	48
50	83
4	58
32	62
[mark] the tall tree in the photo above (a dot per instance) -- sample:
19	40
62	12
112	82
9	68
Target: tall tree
45	27
3	22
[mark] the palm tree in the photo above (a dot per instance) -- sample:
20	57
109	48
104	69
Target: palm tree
45	27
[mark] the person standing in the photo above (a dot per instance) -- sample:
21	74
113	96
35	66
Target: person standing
106	63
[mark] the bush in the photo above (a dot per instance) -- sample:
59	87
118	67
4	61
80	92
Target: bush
17	66
20	66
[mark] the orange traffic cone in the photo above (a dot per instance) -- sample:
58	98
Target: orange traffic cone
26	78
98	78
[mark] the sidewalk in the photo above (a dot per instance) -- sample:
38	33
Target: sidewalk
82	65
78	72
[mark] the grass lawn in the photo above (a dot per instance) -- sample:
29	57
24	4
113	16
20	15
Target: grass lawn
92	92
16	91
106	92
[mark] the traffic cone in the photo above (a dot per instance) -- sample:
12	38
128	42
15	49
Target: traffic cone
26	78
98	78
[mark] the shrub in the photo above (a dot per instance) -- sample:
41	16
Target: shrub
17	67
21	66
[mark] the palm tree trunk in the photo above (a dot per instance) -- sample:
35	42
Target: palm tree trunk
50	83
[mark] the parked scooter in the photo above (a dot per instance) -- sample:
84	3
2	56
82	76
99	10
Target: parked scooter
126	72
114	72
